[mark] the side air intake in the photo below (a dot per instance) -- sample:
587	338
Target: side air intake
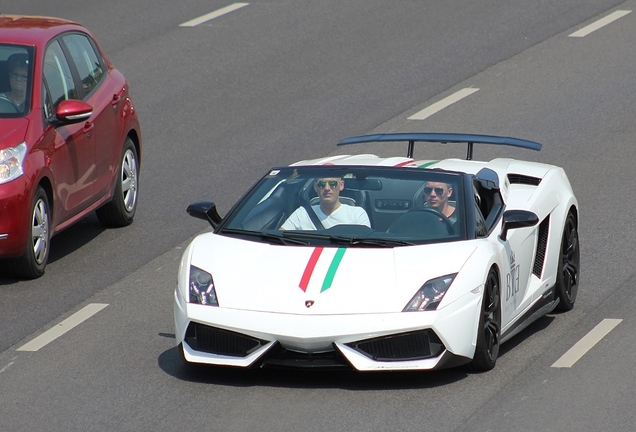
542	245
523	179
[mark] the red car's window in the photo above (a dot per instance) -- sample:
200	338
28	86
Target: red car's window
86	59
57	75
16	72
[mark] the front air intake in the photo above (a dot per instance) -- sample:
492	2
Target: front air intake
416	345
221	342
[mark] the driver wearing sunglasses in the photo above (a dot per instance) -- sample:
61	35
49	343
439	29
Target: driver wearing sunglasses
330	210
436	196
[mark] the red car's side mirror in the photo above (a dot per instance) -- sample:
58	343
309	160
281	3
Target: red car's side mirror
73	111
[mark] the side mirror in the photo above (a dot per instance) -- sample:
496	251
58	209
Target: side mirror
205	210
513	219
73	111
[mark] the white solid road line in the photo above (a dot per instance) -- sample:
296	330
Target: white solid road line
212	15
588	341
600	23
438	106
66	325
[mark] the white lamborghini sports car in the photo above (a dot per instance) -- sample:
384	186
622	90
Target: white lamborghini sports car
411	288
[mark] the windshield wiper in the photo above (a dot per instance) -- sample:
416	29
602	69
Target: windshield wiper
265	236
384	242
352	241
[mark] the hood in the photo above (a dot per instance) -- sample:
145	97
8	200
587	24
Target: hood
321	280
12	131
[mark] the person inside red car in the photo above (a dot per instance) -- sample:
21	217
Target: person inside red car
18	75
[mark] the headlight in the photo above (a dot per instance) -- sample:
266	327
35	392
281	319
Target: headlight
202	287
430	295
11	162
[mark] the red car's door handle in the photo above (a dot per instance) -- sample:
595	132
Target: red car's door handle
88	128
117	97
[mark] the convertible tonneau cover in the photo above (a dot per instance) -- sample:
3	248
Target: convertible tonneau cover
443	138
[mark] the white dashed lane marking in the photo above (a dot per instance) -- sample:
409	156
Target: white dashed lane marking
212	15
588	341
438	106
63	327
600	23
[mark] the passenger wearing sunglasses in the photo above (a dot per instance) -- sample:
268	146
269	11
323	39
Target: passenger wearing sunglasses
436	196
18	74
330	210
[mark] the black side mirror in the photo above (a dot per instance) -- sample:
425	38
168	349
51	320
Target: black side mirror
205	210
517	219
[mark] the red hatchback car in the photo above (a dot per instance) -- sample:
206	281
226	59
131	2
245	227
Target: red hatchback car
70	142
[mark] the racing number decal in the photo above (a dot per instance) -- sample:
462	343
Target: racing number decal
331	272
512	279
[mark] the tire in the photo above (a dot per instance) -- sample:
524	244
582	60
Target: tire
31	265
120	211
567	281
489	331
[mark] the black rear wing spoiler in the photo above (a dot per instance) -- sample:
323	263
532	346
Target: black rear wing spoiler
443	138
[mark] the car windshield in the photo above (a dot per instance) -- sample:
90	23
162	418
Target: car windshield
350	206
16	78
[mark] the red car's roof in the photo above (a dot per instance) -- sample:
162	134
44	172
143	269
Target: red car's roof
33	30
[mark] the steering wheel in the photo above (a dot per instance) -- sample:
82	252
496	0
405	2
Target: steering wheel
443	218
7	107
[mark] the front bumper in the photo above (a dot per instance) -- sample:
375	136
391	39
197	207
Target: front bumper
366	342
15	206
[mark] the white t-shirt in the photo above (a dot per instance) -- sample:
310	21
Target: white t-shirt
343	215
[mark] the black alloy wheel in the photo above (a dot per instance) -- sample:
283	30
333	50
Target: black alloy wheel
567	281
489	331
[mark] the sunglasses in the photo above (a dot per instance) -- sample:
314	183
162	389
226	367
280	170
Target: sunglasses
438	190
322	183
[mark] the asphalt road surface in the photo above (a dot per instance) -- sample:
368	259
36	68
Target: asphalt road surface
90	346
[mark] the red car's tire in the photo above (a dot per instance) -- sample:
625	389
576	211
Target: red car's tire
120	211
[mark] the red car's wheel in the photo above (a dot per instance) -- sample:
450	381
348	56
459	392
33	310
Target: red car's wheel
121	210
31	265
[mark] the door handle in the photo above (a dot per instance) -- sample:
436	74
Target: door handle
117	97
88	128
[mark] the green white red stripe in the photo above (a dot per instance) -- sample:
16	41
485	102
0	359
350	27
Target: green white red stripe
428	164
333	268
331	271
